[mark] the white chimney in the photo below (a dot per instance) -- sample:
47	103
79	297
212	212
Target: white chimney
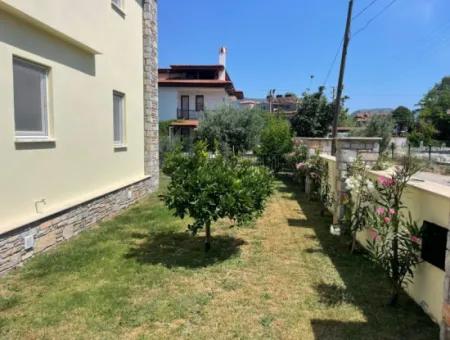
223	62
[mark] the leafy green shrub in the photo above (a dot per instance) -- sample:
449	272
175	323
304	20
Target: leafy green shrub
378	126
423	132
276	142
316	170
208	188
298	155
314	115
234	130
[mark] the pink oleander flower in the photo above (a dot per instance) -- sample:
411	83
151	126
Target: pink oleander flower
381	211
386	182
387	220
392	211
373	234
416	240
300	166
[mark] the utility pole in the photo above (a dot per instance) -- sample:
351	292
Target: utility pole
271	94
340	86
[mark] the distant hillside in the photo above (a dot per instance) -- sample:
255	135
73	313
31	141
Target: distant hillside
373	112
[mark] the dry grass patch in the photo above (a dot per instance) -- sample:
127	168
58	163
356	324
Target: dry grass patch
141	276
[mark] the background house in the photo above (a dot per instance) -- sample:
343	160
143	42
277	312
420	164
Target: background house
363	116
79	135
185	91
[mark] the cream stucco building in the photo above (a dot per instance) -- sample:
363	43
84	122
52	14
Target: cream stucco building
79	136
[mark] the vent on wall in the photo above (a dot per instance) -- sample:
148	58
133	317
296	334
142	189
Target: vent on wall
28	242
434	244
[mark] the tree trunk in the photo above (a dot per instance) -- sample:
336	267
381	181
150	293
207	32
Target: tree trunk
208	237
352	250
394	298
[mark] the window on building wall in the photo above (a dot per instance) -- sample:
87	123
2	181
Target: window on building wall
434	244
118	3
30	99
119	118
199	103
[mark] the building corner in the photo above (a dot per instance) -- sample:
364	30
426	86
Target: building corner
150	64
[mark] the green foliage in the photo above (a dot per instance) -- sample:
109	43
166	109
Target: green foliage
423	132
383	162
316	170
234	130
314	116
209	188
403	118
395	242
164	126
275	143
298	155
378	126
360	203
346	120
435	106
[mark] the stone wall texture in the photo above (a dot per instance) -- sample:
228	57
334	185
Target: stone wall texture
52	230
313	144
151	119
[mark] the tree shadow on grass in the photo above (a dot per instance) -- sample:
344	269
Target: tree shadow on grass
298	223
181	249
364	286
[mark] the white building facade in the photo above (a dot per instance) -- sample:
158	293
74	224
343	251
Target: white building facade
186	91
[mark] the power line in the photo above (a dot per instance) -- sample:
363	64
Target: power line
385	8
333	63
361	12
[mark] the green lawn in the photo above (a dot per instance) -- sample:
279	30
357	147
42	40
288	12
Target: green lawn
142	276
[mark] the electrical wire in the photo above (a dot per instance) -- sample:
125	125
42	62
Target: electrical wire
364	10
333	63
385	8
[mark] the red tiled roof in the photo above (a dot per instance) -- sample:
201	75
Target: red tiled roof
164	78
187	123
197	67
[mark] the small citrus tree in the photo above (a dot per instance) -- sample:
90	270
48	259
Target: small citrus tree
208	188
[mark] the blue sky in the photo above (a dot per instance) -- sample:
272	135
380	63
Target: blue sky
279	44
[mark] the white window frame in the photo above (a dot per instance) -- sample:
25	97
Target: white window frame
119	4
122	121
44	134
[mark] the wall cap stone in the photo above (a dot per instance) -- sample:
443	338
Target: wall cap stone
349	139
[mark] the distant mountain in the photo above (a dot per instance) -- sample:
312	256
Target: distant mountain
373	112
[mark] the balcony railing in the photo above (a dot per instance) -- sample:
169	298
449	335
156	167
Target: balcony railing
188	114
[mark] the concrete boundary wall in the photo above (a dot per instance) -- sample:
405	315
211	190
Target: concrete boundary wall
426	201
313	144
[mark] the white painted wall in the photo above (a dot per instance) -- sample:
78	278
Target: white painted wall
82	162
170	99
